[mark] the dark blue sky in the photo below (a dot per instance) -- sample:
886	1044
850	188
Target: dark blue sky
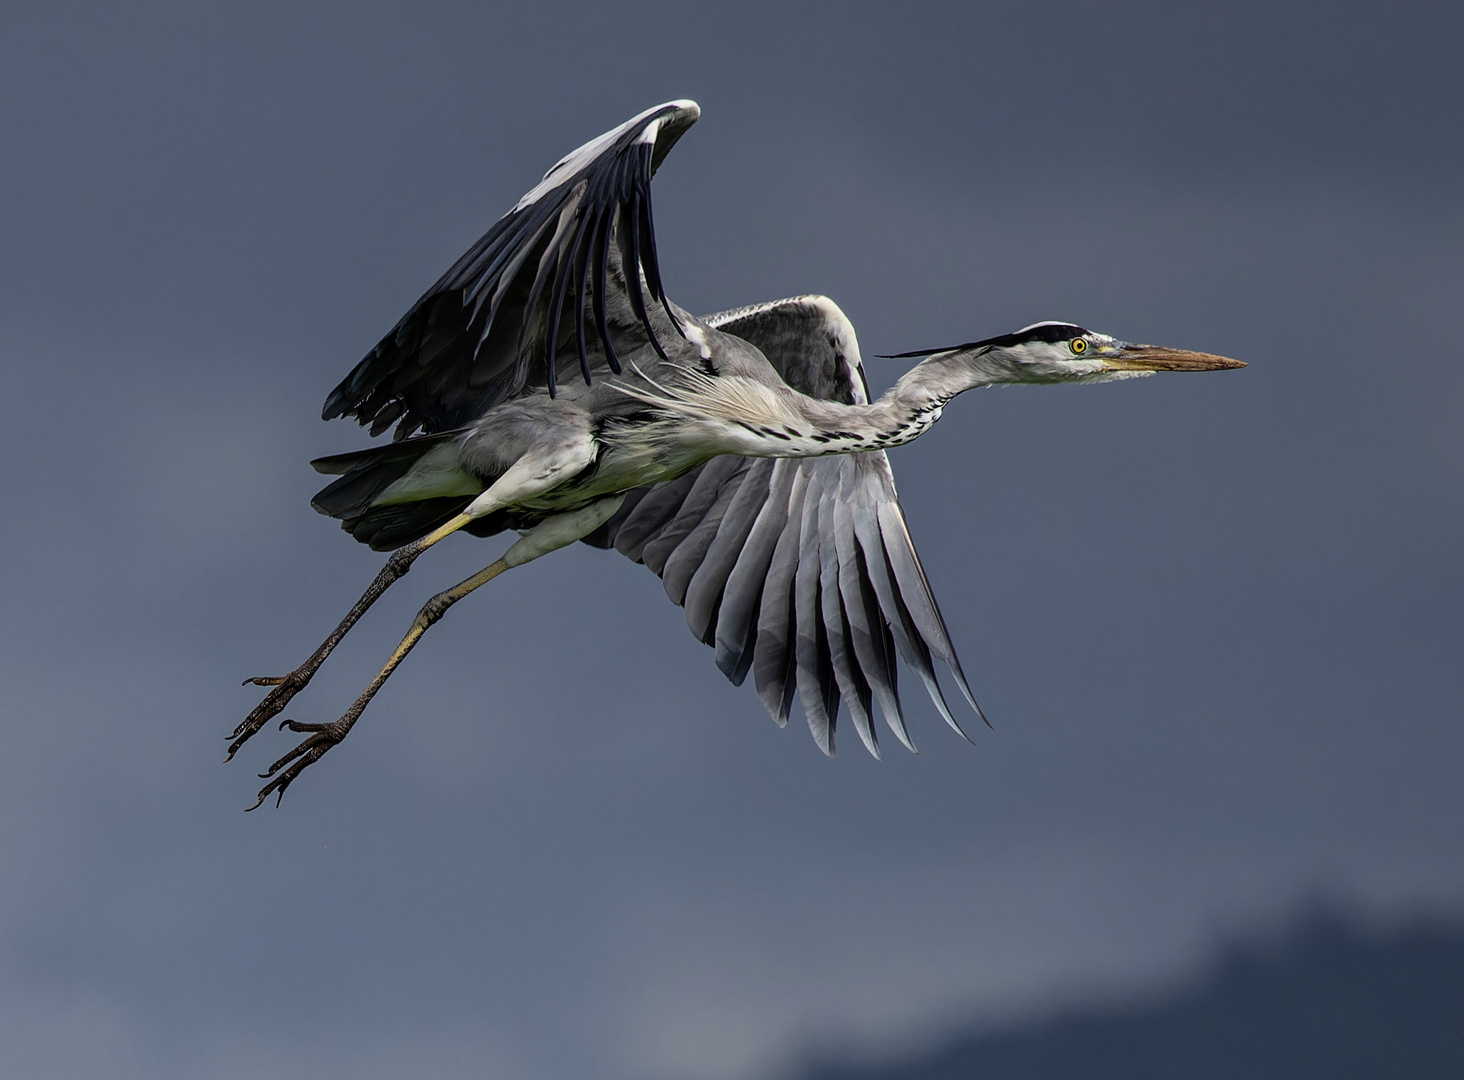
1217	621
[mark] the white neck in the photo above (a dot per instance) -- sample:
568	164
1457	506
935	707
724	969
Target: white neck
730	414
904	412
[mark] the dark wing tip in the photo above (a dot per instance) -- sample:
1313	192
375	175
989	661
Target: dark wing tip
469	341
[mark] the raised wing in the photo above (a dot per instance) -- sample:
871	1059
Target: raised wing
801	571
495	323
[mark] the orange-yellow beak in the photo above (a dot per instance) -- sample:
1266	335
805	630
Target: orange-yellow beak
1158	358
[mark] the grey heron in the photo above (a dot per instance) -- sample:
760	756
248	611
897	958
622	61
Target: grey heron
547	384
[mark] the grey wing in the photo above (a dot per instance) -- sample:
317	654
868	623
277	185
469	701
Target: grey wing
493	324
800	571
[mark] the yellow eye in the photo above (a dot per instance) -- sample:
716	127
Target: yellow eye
1078	346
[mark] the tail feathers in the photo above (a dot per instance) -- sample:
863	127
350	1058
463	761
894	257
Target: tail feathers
385	528
408	450
365	474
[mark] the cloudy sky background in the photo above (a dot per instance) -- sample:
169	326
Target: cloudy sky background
1217	621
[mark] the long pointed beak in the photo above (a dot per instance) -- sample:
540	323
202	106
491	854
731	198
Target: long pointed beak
1159	358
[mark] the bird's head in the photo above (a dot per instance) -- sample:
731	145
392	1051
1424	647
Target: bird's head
1058	352
1050	352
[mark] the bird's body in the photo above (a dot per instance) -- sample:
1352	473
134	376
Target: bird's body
559	392
716	394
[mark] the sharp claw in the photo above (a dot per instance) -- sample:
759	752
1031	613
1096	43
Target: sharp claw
306	754
278	787
285	688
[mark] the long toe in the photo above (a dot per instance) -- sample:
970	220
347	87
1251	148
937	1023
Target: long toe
273	704
303	756
295	725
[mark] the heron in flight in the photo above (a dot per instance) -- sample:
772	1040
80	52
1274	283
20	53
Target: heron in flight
547	384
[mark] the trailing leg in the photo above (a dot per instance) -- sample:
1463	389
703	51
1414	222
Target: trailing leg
549	535
533	473
287	686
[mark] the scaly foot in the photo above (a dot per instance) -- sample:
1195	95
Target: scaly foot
285	687
322	738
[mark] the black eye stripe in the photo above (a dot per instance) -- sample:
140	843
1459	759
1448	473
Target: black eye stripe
1052	333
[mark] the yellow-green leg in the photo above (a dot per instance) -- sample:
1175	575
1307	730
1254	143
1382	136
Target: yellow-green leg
552	534
324	736
287	686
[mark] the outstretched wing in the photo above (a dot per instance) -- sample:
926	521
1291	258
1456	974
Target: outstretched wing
494	323
801	571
